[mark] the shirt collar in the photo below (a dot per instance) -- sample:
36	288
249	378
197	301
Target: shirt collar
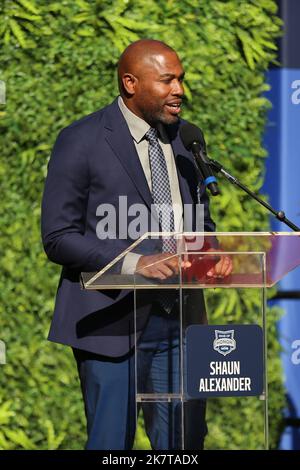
137	126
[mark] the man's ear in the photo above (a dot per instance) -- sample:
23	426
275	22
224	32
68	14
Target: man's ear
129	83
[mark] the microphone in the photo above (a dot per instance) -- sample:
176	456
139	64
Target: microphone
193	140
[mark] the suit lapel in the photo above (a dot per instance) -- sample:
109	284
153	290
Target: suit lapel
184	163
121	142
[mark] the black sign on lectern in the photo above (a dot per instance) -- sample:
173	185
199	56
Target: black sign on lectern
224	360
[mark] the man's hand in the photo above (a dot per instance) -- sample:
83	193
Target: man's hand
161	266
222	269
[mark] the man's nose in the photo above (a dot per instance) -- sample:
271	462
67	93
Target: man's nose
177	89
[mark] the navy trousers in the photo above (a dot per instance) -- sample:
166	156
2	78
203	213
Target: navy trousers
108	388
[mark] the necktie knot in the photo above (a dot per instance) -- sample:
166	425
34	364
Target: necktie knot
152	135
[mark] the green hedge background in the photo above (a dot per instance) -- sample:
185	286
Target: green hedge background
58	61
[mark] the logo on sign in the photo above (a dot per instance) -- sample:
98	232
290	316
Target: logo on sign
224	342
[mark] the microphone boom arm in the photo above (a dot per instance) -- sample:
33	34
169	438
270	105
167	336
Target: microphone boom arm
280	215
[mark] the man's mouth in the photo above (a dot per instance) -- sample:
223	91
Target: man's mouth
174	108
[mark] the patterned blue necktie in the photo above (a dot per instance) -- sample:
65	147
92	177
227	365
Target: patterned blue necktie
161	191
161	194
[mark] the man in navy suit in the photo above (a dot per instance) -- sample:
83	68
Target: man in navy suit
94	161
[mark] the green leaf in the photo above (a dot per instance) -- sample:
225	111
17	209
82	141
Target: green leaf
5	412
86	32
30	6
19	438
81	17
26	16
18	33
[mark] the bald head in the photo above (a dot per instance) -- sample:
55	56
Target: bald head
150	78
138	55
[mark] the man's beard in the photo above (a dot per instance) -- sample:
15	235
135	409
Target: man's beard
156	117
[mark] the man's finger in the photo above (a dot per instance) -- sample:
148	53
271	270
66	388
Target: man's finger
165	269
172	263
222	269
229	269
222	266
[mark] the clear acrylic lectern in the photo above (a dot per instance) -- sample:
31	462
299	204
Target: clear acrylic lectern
166	308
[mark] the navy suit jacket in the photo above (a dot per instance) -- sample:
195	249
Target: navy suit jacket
94	161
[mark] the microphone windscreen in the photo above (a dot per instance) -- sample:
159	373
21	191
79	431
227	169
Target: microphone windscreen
189	134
